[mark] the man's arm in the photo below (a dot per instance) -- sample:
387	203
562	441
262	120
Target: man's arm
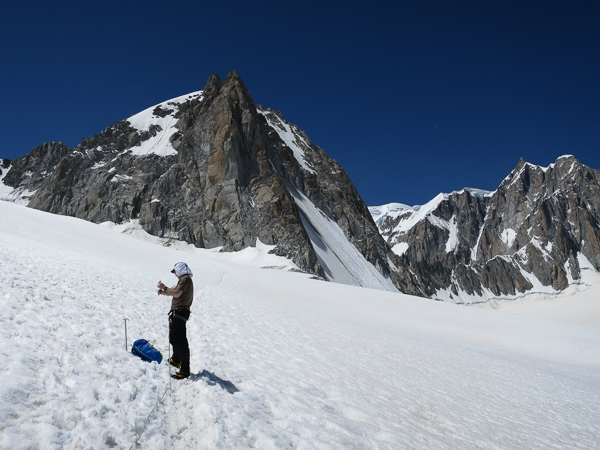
164	290
172	292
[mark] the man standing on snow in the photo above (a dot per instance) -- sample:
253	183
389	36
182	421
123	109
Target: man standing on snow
183	296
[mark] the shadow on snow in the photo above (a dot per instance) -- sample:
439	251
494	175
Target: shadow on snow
213	380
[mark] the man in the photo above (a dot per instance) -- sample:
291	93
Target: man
183	296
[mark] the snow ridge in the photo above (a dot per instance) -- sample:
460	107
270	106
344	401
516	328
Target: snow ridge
159	144
516	259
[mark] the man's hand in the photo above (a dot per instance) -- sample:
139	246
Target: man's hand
174	292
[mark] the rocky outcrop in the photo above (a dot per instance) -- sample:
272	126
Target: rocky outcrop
533	233
213	169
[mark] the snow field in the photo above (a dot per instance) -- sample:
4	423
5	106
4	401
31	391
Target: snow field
318	365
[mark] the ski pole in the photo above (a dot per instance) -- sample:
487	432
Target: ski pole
125	320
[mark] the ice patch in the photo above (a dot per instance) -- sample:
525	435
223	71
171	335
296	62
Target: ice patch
400	248
535	241
120	178
508	237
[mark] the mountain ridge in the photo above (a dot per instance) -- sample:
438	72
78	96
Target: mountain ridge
216	170
534	233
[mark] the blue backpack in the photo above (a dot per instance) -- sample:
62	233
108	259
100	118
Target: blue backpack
144	350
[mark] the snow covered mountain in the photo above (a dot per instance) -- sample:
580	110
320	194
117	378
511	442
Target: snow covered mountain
213	169
216	170
538	232
316	365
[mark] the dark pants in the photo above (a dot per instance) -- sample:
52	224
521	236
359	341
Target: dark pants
178	339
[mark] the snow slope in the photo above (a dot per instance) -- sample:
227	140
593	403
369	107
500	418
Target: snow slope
19	196
318	365
579	303
379	213
159	144
340	260
290	134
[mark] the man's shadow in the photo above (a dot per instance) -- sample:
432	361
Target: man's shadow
213	380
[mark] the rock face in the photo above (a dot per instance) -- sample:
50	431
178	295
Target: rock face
536	232
215	170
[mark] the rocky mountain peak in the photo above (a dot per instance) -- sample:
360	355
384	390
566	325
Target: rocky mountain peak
213	169
213	81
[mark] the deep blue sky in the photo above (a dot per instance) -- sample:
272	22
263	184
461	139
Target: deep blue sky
413	98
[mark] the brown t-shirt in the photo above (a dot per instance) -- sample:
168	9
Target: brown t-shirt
186	298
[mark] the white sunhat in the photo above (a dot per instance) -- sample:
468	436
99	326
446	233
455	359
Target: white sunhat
182	268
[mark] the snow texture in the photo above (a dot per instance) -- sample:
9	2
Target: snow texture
316	365
160	143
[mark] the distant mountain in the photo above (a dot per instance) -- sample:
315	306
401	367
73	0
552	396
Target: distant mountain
536	233
215	170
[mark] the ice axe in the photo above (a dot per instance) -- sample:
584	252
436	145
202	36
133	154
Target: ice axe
125	320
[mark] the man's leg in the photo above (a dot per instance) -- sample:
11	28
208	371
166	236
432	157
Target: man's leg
173	339
184	350
181	349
